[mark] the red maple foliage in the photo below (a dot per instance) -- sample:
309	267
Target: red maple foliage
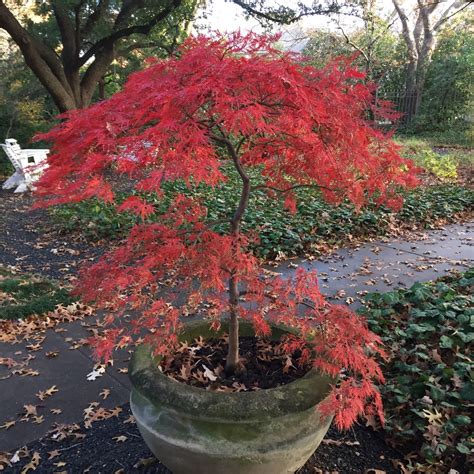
235	100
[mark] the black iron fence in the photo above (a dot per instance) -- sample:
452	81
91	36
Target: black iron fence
437	110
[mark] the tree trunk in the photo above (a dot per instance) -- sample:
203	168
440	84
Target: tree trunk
102	88
420	39
61	75
233	362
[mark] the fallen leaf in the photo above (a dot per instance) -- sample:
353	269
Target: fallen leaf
33	464
53	454
96	373
288	364
26	372
115	411
38	419
209	374
335	442
30	410
8	424
433	418
34	347
144	462
120	439
105	393
47	393
239	387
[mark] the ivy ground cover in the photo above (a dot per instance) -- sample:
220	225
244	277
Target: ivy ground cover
315	225
428	397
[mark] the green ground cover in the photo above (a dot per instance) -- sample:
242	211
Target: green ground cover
428	397
24	295
442	160
282	233
450	137
316	224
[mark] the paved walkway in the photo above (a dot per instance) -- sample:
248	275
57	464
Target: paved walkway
346	275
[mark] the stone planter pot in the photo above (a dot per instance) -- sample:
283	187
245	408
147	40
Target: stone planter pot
191	430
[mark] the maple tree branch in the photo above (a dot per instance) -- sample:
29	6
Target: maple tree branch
296	186
208	226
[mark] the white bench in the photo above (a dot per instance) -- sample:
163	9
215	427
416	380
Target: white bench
28	163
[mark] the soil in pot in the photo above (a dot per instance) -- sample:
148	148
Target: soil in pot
265	364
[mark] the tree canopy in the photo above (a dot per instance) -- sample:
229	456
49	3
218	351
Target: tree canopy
242	101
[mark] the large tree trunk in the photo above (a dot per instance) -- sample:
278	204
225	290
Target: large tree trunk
42	61
420	38
60	78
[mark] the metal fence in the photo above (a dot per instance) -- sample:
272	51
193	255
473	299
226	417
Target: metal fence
445	107
404	103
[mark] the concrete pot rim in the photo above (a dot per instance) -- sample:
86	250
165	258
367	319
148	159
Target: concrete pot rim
297	396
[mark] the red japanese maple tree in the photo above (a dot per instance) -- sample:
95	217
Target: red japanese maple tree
235	100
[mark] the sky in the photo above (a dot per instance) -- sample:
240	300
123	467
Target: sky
225	16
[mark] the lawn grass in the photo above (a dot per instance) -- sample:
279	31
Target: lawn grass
450	138
25	295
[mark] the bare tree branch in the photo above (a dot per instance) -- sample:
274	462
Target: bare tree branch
128	31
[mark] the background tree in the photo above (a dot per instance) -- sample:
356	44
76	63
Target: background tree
375	41
25	109
443	70
448	97
420	30
72	47
380	54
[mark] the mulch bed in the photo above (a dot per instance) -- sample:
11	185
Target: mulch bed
115	446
